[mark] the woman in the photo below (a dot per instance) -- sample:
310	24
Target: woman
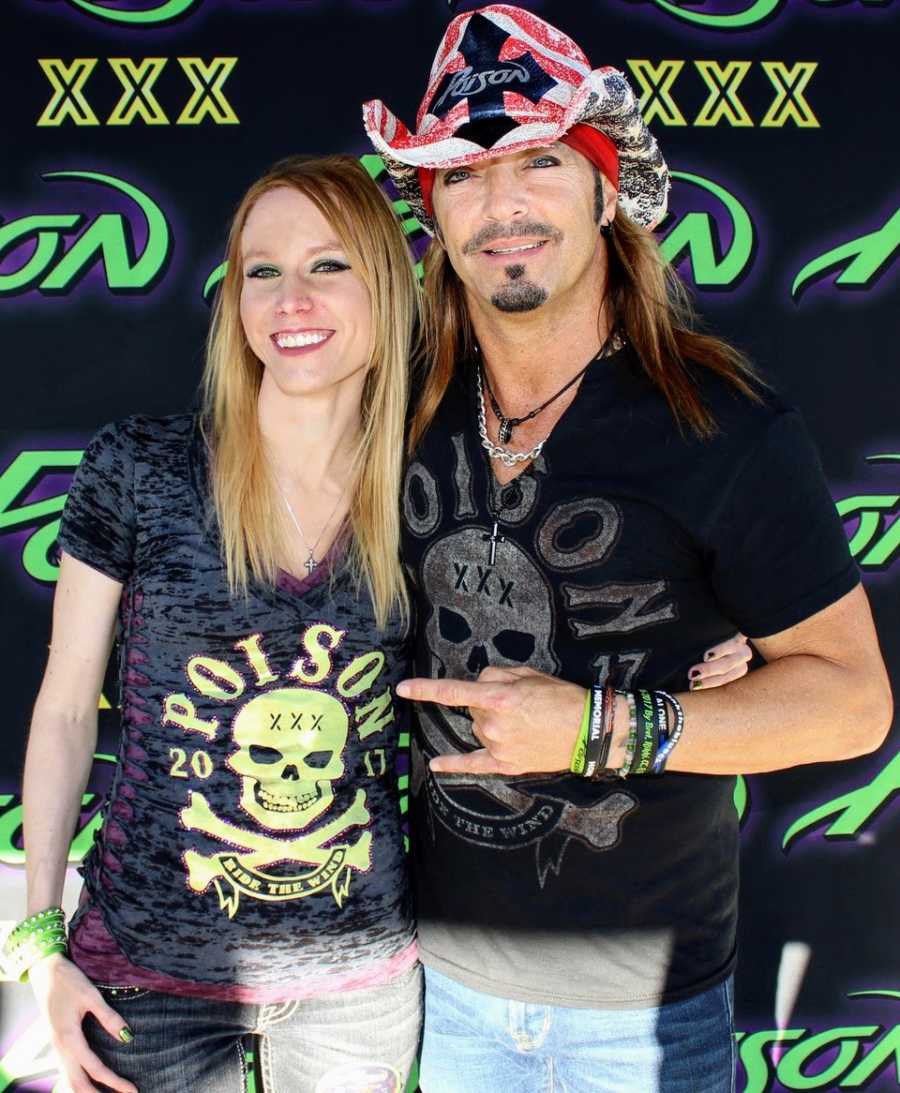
249	876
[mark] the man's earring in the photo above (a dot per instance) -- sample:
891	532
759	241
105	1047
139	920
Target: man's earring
606	231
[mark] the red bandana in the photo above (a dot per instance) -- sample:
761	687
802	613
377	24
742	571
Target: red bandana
590	142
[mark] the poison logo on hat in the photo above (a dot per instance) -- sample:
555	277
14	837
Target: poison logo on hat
485	77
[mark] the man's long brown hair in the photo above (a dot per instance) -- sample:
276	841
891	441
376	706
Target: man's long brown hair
649	305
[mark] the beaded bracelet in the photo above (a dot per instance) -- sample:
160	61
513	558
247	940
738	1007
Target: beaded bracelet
576	766
38	936
631	743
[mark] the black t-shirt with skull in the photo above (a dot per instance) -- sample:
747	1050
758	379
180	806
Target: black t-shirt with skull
253	830
628	547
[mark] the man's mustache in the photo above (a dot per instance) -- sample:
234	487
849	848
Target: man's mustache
491	232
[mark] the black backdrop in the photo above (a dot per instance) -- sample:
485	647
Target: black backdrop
131	127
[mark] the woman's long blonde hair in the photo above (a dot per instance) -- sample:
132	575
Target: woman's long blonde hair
254	540
646	299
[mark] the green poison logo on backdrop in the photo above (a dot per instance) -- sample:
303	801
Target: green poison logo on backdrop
872	523
744	15
849	814
38	251
695	237
849	1057
29	472
11	849
856	264
875	539
144	13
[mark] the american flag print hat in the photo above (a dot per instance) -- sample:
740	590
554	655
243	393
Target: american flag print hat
503	76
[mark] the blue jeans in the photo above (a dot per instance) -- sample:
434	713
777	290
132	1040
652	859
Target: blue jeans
348	1042
479	1042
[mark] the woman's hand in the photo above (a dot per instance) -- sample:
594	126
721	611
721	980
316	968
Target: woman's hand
65	996
722	664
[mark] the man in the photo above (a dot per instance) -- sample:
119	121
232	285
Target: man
595	493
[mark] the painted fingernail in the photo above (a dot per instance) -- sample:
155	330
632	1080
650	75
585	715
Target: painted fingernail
696	684
693	673
126	1035
709	655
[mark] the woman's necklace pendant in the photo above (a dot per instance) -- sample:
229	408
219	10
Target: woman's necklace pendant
310	564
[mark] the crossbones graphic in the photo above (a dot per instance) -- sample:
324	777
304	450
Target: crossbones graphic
260	851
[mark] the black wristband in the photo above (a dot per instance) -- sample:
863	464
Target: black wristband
595	730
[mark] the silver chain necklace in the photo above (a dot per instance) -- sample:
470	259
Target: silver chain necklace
614	342
496	451
310	564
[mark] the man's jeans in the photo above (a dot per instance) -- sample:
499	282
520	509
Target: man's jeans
478	1043
350	1042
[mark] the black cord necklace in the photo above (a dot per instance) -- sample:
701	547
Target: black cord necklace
507	424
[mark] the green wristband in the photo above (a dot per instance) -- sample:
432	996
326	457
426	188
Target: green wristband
25	958
578	755
33	939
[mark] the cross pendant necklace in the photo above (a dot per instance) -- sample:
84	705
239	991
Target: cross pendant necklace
505	425
310	564
494	539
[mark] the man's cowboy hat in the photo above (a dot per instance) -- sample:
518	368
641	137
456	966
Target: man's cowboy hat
504	80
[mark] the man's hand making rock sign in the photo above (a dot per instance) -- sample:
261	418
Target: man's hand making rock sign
528	721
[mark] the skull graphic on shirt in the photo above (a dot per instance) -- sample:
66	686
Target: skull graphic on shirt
290	743
500	615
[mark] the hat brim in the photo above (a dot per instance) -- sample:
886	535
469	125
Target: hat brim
604	100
